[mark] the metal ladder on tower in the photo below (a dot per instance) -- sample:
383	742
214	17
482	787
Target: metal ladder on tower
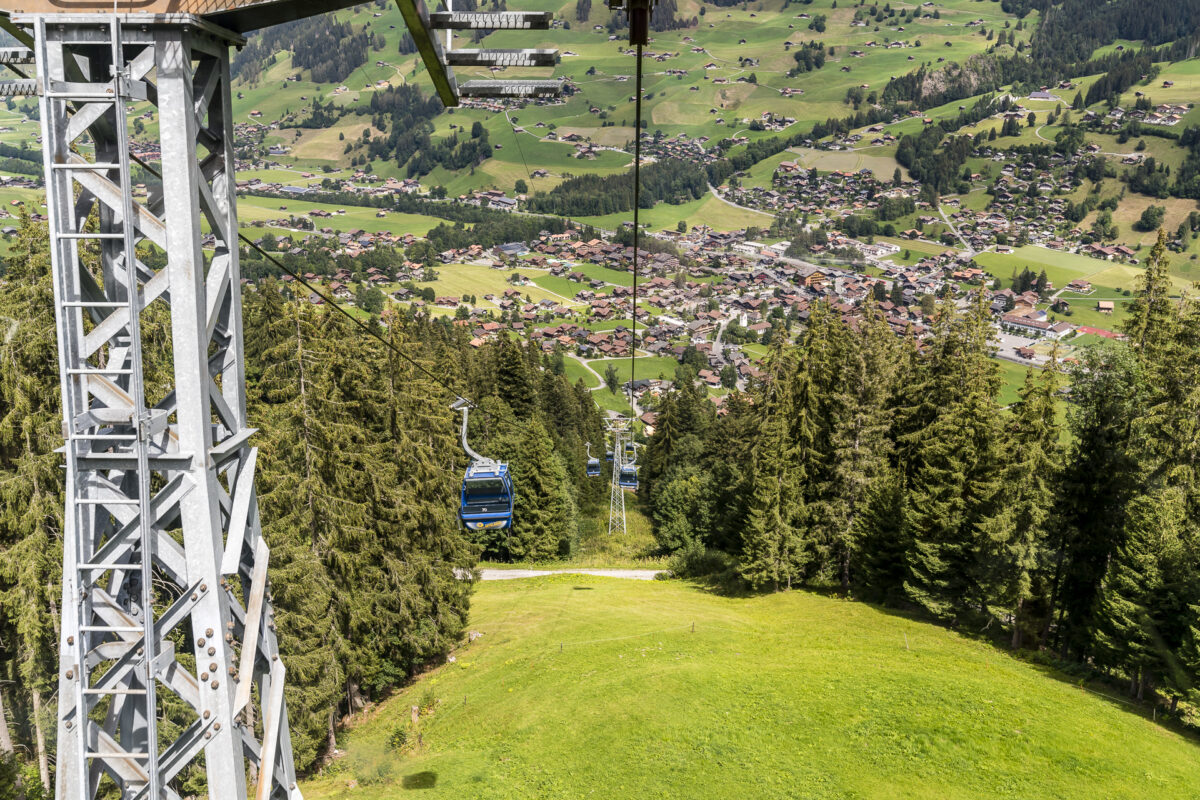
118	626
450	21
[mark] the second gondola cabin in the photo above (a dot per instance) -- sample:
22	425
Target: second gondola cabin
628	477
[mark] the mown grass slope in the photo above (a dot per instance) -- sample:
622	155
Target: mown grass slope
597	687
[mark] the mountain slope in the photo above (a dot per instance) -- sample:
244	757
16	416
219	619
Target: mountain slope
784	695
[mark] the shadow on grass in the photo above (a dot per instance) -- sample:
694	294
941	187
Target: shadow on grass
583	588
420	780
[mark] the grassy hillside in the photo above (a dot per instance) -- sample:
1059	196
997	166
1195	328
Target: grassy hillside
598	687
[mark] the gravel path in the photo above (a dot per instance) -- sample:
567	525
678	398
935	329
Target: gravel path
512	574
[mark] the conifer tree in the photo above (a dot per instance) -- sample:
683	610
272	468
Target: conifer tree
31	491
1130	613
514	382
1153	314
1101	472
299	516
1014	536
953	479
728	460
772	548
858	421
543	514
771	551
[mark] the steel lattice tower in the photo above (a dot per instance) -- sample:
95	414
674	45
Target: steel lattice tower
163	546
619	428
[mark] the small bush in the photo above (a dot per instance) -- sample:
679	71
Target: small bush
398	737
374	774
694	560
428	700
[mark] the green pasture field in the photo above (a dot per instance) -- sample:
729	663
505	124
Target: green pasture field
708	210
647	367
608	401
599	273
455	280
576	371
588	686
1012	378
880	159
562	286
262	209
1062	267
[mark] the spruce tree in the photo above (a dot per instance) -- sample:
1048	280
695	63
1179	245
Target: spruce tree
1109	390
953	475
543	516
858	421
1153	315
514	381
1015	535
31	481
299	515
773	551
1130	610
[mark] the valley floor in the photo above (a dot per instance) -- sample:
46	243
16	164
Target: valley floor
583	686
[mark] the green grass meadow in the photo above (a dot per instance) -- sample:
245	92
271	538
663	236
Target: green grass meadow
600	687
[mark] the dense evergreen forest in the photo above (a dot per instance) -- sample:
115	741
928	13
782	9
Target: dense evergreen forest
1072	29
671	180
358	484
886	467
331	49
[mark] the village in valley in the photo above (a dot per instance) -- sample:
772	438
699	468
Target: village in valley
1044	219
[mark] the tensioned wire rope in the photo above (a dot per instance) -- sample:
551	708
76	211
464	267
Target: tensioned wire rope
637	194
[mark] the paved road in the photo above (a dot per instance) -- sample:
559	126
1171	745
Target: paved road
954	230
512	574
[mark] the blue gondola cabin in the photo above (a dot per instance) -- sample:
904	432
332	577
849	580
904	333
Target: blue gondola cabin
487	497
628	477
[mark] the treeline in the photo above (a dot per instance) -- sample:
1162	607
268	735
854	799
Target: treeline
1072	29
499	229
889	470
1125	73
20	160
451	153
936	164
331	49
664	16
670	181
358	483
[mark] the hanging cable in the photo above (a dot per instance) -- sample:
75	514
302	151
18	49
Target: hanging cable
637	196
363	327
520	150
